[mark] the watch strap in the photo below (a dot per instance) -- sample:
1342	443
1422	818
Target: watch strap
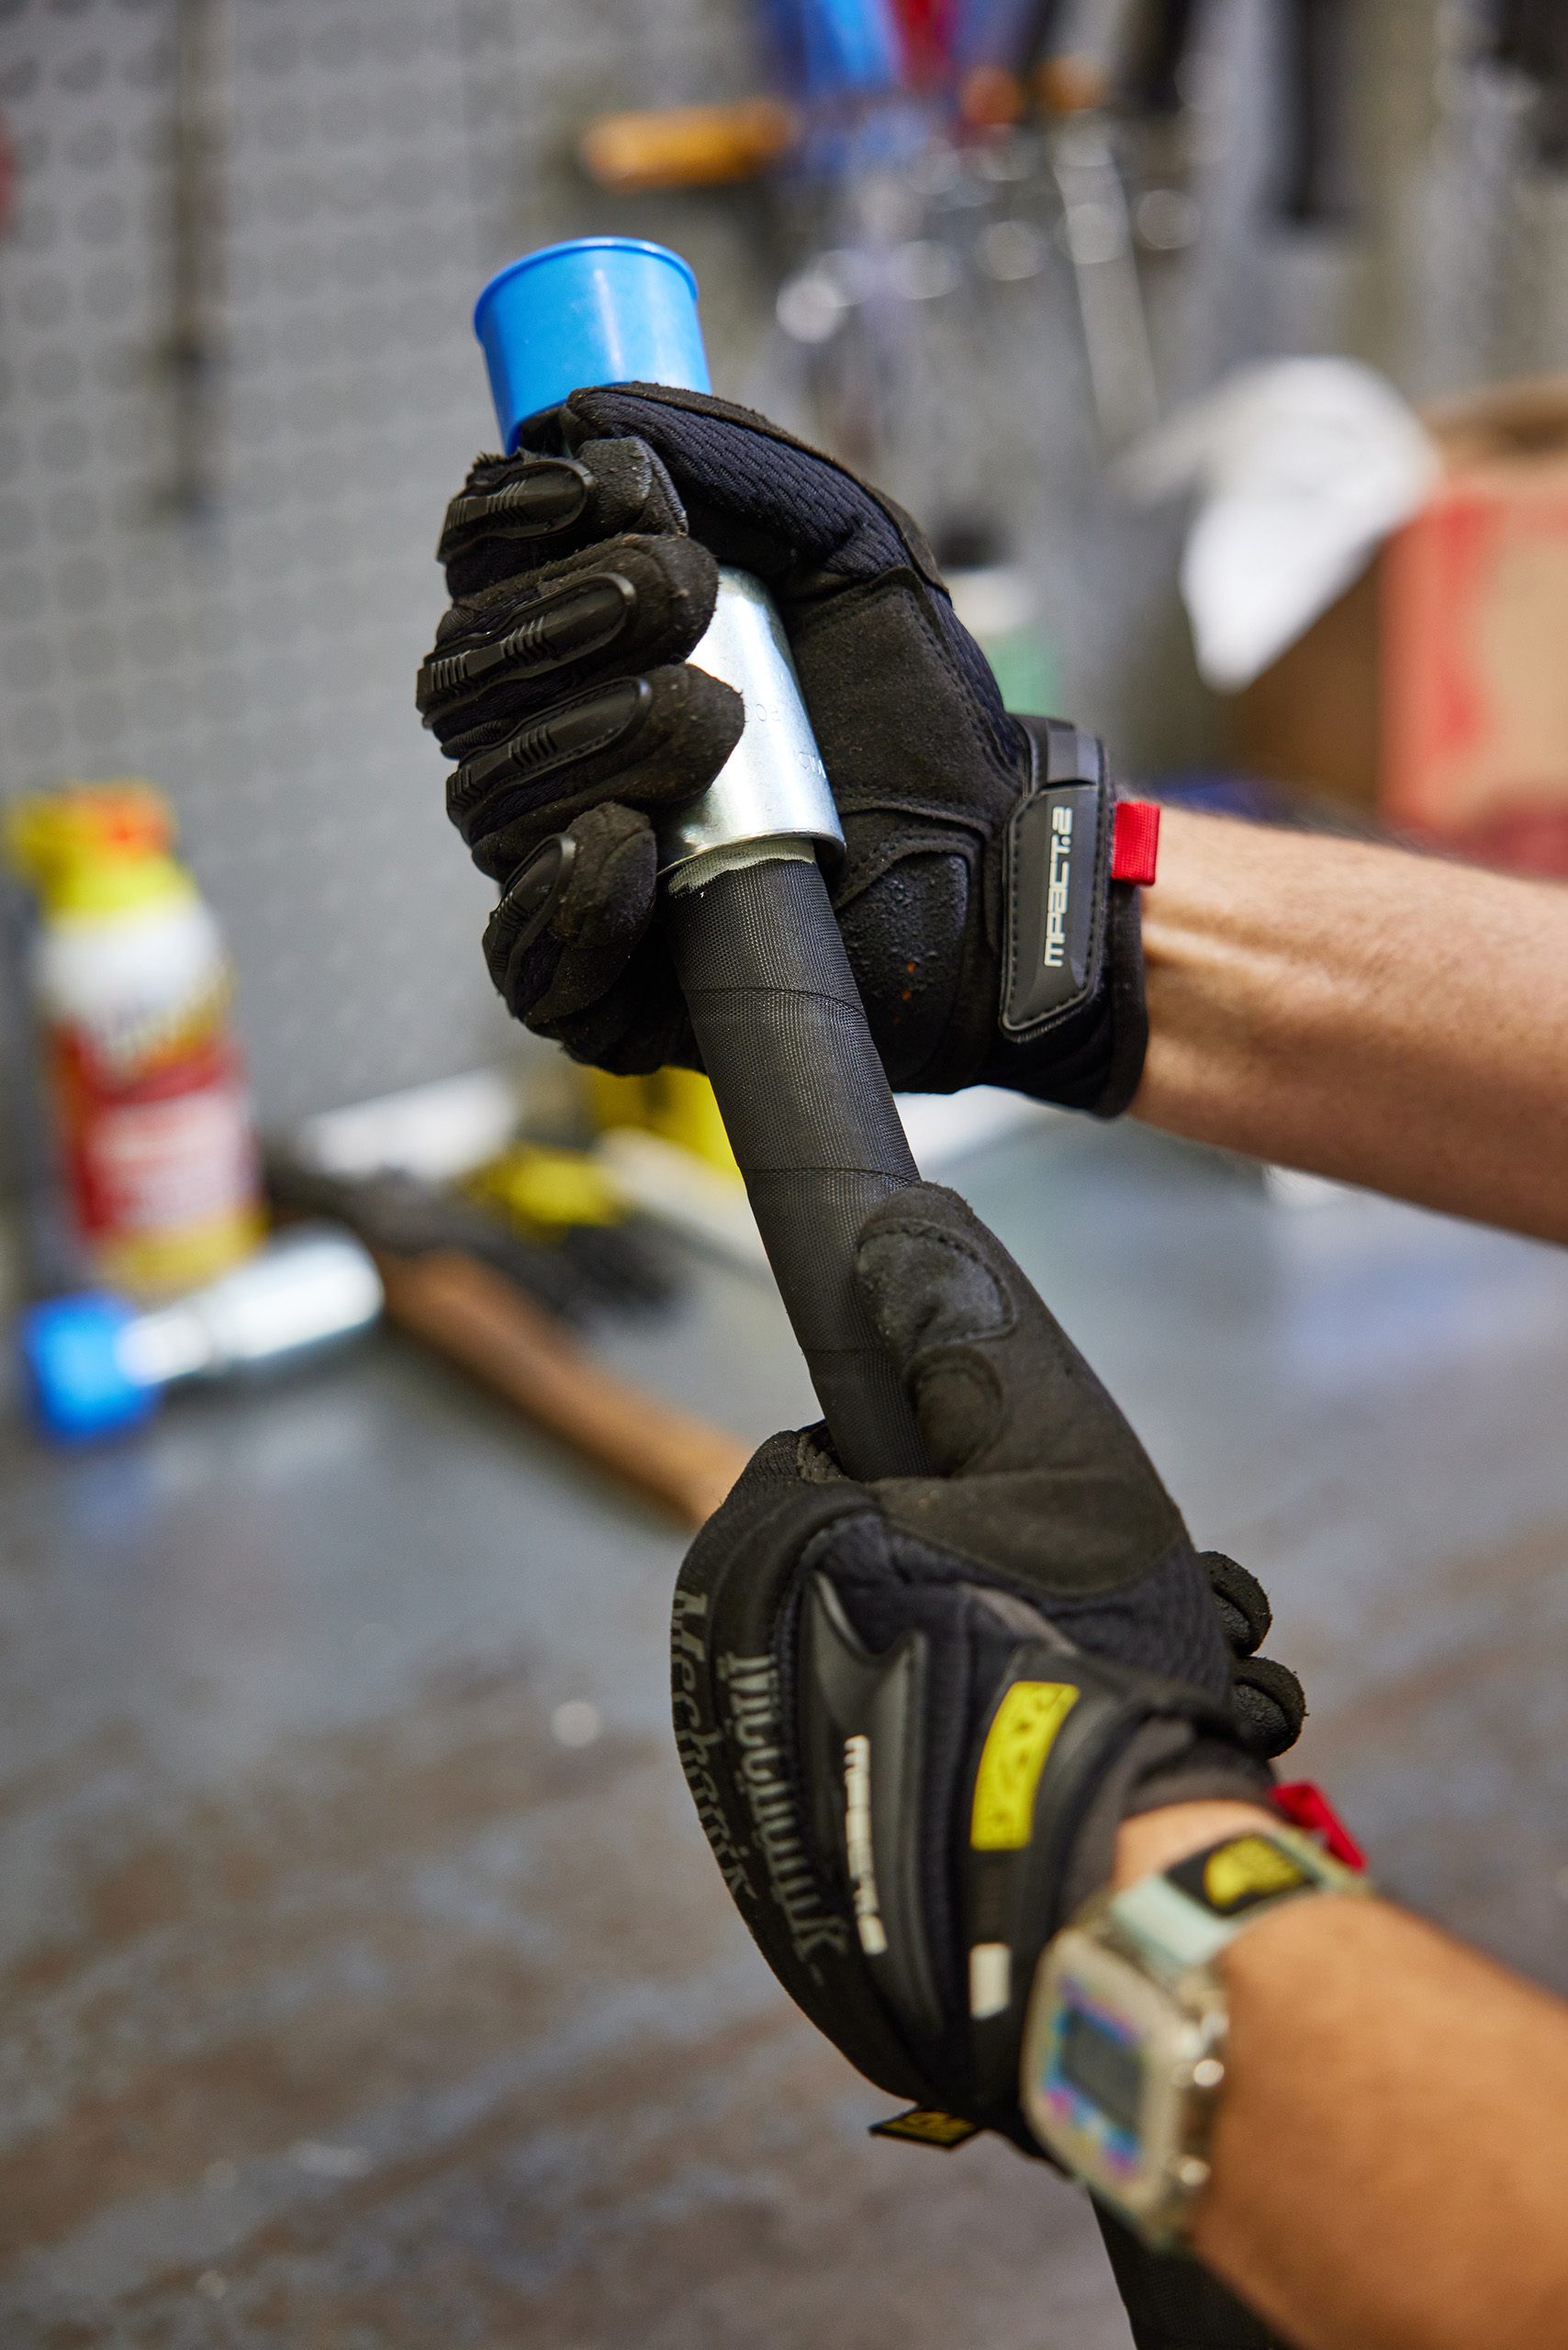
1059	1723
1185	1915
1124	2054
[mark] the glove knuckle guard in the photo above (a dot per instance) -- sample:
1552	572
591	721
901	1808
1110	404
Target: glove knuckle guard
522	645
1269	1704
1243	1604
515	511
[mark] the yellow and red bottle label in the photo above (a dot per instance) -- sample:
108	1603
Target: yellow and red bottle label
159	1154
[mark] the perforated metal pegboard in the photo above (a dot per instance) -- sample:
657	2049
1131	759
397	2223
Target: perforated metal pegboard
383	155
258	663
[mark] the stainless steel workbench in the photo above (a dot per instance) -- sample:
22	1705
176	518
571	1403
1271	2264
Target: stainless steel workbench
345	2007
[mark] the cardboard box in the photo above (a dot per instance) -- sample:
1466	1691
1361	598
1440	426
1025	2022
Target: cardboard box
1436	689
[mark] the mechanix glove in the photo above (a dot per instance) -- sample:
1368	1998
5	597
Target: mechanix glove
913	1712
988	936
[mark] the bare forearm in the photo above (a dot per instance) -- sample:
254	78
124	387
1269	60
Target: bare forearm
1393	2139
1387	1019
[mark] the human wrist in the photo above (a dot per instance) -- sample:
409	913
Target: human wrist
1125	2047
1153	1841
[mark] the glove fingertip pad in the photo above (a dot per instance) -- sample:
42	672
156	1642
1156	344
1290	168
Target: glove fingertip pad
1245	1614
1269	1704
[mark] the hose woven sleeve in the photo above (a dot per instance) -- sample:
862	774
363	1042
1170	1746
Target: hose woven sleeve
811	1123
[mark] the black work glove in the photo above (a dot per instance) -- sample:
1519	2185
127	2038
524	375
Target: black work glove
986	936
912	1713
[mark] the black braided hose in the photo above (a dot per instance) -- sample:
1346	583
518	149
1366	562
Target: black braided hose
811	1122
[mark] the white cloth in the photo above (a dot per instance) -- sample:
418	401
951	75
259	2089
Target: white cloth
1302	468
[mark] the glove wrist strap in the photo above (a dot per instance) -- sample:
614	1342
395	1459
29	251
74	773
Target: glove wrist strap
1059	1731
1072	953
1056	871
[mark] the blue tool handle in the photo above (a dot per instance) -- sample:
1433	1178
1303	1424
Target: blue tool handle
776	1014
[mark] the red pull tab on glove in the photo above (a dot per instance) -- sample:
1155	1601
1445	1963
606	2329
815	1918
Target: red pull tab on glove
1307	1807
1135	845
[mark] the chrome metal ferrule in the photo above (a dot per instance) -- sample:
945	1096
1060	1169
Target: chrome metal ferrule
773	789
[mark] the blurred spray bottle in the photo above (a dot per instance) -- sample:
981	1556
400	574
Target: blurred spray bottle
149	1117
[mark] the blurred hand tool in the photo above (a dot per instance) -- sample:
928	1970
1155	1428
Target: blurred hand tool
1532	37
688	146
95	1364
1157	78
1098	236
1313	187
1089	59
1083	51
588	1269
490	1302
924	31
830	51
476	1317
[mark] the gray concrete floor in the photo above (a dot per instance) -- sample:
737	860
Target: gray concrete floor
343	2007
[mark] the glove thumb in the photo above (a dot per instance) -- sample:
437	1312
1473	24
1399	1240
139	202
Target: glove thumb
994	1379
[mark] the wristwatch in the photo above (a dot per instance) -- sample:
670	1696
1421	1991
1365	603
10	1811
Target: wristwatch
1124	2041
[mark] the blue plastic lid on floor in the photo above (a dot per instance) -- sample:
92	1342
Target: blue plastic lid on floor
71	1348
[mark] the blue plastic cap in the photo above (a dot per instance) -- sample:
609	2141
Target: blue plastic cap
71	1352
600	310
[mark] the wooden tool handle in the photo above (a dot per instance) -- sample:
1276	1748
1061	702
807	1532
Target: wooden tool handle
688	146
478	1319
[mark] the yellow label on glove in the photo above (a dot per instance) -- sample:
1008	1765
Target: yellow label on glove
924	2127
1019	1740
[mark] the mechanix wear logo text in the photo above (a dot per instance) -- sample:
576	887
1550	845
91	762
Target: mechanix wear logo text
698	1745
763	1779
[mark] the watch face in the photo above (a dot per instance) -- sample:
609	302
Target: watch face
1090	2082
1097	2071
1095	2062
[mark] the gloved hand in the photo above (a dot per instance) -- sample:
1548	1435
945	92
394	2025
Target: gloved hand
913	1713
986	936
